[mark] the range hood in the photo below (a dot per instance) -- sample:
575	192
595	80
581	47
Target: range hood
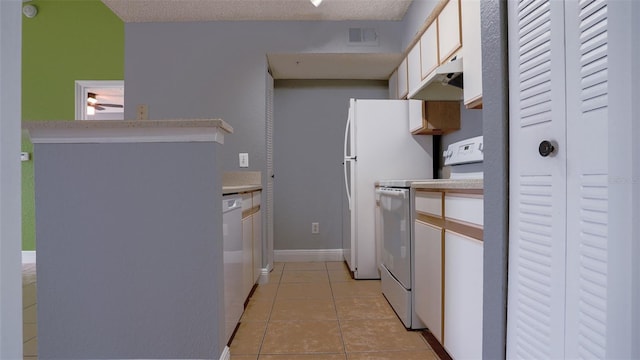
444	83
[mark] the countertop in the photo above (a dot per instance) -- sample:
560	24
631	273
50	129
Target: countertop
235	182
457	184
121	131
236	189
131	124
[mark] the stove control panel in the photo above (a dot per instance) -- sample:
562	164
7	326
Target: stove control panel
464	152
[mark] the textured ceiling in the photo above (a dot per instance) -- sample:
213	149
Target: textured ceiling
234	10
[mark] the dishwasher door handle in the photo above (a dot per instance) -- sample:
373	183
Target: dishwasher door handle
401	193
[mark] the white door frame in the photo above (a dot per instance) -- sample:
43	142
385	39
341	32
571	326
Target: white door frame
82	92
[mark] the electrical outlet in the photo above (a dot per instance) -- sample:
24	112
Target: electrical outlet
244	160
315	228
143	112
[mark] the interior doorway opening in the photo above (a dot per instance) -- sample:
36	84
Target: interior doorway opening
99	100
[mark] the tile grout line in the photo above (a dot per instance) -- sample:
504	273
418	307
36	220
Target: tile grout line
264	335
335	307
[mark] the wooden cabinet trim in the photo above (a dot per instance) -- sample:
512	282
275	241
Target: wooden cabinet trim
474	103
449	191
253	210
470	230
430	219
444	284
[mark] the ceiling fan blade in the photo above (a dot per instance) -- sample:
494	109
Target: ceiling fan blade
98	107
111	105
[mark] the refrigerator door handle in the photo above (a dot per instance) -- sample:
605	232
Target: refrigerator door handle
347	157
346	135
347	162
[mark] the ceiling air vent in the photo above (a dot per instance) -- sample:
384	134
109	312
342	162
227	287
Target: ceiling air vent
363	36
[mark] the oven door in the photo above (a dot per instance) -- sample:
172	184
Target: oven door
396	234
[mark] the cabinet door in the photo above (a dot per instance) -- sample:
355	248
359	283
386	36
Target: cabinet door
257	245
393	85
472	58
403	85
463	296
429	58
428	276
413	68
449	37
247	256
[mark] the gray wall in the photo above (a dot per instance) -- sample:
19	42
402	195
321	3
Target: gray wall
217	69
496	177
309	121
10	195
130	253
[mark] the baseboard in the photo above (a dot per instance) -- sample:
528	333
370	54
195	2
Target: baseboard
308	255
226	354
29	257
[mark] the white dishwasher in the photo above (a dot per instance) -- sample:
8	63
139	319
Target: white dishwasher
232	247
397	254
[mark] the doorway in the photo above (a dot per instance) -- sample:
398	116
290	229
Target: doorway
99	100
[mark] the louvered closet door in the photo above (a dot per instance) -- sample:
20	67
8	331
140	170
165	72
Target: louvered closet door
267	254
536	293
586	41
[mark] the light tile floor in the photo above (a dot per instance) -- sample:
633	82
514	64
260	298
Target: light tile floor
308	311
315	310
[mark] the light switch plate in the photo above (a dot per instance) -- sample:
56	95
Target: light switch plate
24	156
244	160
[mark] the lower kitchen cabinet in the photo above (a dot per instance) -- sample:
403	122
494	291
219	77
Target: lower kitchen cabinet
463	296
449	268
256	228
428	267
251	240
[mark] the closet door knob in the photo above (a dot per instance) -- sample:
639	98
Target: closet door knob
546	148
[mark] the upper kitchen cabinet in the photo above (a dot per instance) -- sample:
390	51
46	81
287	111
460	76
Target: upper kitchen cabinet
434	117
403	85
449	33
393	85
429	59
472	57
413	68
439	47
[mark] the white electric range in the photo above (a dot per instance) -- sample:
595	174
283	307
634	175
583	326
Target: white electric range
396	214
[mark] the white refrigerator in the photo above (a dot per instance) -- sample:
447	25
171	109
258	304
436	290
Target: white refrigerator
377	146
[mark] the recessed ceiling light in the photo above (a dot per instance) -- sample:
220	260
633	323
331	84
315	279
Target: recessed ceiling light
316	3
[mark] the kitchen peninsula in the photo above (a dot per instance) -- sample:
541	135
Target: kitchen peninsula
129	238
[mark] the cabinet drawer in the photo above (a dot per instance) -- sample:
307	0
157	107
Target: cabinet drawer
429	203
464	207
246	202
257	198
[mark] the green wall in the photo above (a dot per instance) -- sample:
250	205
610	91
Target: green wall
68	40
